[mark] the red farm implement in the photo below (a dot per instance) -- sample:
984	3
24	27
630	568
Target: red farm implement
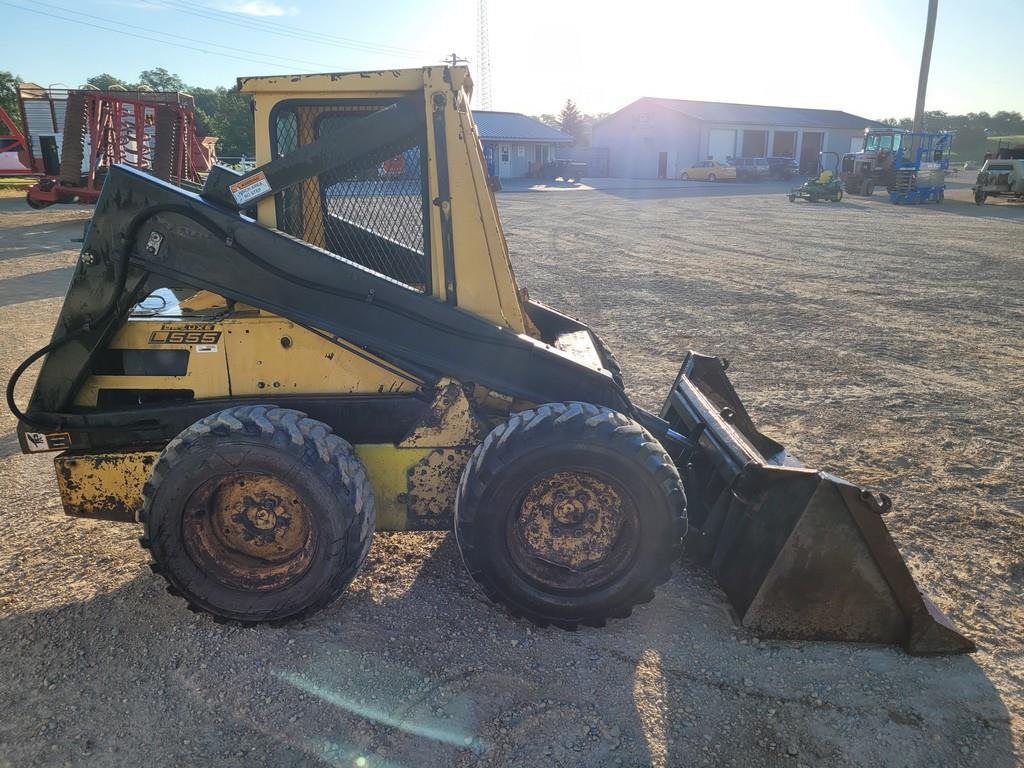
76	136
14	154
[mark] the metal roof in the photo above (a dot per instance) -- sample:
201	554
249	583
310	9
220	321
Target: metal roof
513	126
755	114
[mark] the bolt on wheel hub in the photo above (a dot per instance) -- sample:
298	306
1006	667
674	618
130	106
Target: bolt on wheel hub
570	519
249	530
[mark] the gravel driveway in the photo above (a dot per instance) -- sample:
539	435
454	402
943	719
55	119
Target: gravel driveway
881	343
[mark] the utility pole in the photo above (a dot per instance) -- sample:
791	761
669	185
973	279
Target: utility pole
926	61
453	60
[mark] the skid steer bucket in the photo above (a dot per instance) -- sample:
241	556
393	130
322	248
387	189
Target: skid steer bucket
800	554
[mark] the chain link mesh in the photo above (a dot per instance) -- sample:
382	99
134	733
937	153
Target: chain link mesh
371	210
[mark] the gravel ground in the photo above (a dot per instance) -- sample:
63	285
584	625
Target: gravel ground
881	343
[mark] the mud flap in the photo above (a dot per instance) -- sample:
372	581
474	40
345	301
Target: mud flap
800	553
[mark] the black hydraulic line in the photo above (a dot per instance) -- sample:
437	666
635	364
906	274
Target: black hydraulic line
336	148
109	311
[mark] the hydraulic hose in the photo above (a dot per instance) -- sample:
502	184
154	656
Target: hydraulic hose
111	309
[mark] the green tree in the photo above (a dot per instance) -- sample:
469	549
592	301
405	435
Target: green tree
970	131
9	96
231	121
105	82
570	121
548	120
160	79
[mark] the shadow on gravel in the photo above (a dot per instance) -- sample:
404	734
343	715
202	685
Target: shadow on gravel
38	285
44	237
413	668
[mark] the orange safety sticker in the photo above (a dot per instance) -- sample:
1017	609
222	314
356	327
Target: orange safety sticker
250	188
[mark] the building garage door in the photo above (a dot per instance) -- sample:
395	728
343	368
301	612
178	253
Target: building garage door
754	143
784	144
810	147
721	144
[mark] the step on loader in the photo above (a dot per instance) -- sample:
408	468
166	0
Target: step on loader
334	343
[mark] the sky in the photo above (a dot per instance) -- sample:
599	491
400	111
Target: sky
861	56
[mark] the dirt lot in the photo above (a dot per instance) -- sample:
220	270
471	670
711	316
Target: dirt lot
880	342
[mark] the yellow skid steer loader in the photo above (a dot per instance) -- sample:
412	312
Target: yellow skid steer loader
264	373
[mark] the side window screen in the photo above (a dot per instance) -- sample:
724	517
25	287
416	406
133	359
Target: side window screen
372	210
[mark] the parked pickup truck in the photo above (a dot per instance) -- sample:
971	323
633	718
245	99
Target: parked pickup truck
1000	178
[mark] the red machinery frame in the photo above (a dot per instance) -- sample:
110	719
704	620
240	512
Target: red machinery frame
13	140
152	131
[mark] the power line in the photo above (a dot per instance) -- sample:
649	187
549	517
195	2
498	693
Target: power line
276	27
284	30
182	37
51	15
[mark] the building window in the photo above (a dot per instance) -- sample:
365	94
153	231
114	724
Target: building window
504	153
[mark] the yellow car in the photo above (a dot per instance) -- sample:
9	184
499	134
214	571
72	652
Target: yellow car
709	170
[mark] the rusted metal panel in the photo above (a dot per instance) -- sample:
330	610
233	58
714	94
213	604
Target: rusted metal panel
450	423
105	486
432	482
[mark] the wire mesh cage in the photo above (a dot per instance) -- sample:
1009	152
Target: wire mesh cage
372	210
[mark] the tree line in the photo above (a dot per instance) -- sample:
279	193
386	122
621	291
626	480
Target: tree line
971	131
225	113
221	112
573	121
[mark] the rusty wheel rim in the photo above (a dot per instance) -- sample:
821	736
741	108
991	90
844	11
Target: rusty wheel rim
250	530
573	530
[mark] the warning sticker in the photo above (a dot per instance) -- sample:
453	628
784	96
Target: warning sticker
53	441
250	188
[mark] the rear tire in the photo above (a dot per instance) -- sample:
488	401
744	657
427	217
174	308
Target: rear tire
570	514
37	205
869	188
257	514
792	198
712	178
685	176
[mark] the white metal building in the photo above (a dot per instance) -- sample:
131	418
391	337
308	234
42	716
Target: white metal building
659	138
516	145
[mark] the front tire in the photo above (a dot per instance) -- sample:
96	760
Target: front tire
258	514
684	176
570	514
712	178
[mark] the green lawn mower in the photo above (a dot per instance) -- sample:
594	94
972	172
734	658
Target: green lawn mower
825	186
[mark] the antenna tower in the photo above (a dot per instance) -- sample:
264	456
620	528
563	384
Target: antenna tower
483	56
